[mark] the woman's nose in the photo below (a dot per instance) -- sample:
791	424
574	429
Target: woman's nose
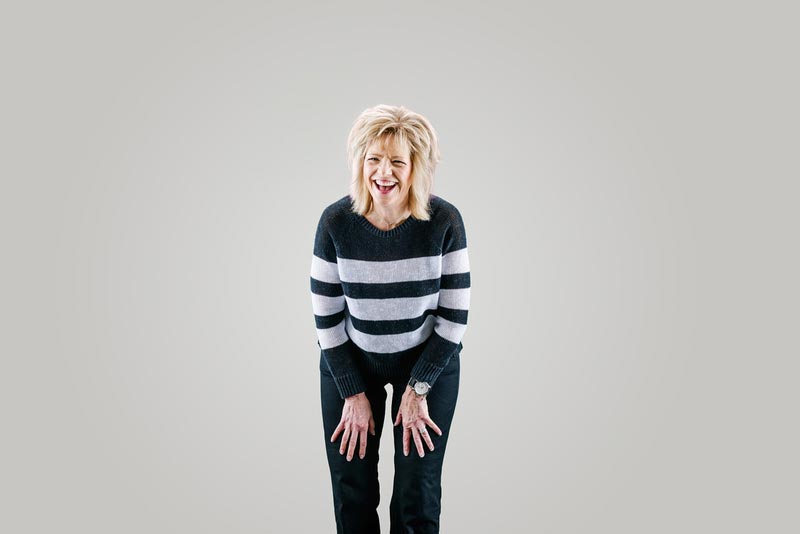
386	168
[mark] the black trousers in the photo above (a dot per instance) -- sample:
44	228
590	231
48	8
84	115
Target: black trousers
416	494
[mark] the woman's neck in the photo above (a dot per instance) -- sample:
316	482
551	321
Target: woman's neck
385	218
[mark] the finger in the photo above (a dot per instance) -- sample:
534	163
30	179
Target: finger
345	437
418	441
337	431
426	437
433	425
351	449
371	425
406	445
397	419
362	436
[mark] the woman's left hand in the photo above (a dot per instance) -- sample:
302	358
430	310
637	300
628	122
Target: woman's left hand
413	413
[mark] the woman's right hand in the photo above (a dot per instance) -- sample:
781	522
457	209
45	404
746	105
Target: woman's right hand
355	423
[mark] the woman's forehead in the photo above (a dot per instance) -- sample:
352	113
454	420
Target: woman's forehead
388	144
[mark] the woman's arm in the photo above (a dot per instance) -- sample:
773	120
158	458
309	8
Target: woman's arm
328	303
451	314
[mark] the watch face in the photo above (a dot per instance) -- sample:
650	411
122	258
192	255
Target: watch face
422	388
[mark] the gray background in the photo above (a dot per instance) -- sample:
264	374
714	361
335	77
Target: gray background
627	172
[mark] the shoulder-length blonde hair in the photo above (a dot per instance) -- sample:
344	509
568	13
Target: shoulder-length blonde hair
409	129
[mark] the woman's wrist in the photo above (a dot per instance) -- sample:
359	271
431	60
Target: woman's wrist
413	394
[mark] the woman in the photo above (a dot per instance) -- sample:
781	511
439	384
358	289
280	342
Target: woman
390	287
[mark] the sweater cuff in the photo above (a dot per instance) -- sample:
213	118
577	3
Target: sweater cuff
425	371
349	384
434	358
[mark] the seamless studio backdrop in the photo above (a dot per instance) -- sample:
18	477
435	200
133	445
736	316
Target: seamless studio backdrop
627	174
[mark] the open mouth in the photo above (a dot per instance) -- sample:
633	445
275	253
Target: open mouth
385	188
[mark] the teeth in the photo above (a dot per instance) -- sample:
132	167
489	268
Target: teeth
384	182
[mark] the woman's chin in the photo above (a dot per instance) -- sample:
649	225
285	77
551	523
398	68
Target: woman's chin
383	199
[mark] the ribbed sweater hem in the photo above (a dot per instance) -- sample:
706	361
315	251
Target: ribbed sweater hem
388	366
398	365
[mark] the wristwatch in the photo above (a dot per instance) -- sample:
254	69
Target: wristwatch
420	388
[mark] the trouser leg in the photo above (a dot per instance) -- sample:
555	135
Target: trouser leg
416	497
355	483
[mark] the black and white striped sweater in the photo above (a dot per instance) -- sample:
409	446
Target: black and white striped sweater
389	300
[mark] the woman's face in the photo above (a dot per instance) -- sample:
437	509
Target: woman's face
387	162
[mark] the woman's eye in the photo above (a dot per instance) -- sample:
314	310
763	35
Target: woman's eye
395	161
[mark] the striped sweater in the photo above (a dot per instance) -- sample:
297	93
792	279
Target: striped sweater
389	301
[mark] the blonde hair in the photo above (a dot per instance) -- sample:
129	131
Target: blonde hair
409	129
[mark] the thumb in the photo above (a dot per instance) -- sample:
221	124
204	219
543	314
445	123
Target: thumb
371	425
397	419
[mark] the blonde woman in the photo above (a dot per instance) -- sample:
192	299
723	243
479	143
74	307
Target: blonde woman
390	289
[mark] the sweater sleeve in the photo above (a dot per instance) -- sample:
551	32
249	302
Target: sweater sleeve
451	313
328	304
